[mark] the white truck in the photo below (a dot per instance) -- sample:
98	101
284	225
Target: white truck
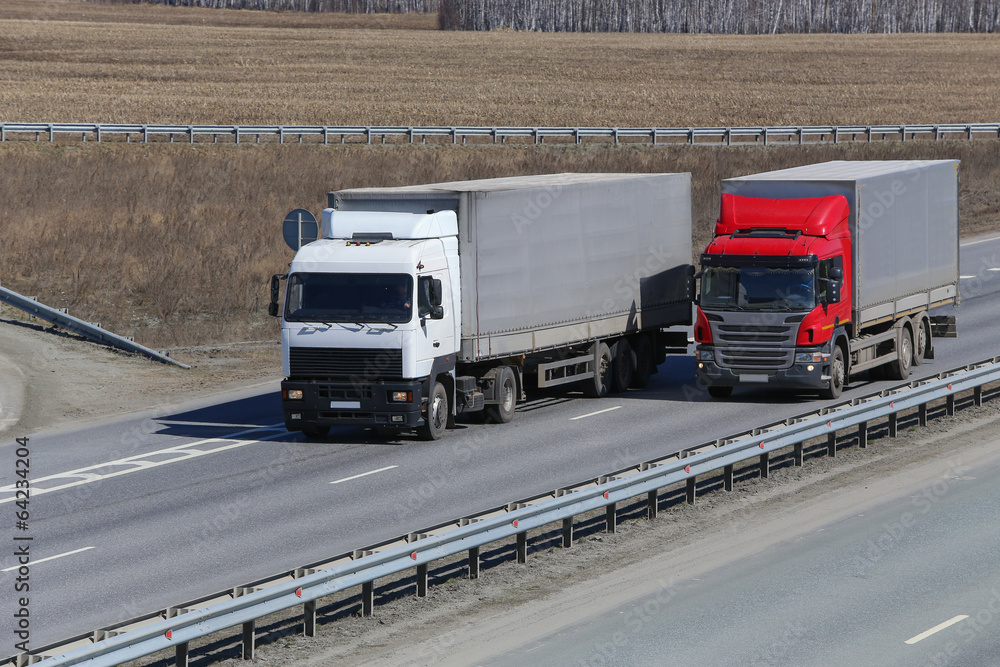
422	302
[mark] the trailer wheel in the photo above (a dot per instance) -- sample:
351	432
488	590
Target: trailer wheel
315	432
644	362
920	343
623	368
437	414
503	412
599	385
720	392
900	369
838	375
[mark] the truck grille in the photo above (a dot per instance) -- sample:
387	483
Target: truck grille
324	362
755	345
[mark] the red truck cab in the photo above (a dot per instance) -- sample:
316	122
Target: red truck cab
775	289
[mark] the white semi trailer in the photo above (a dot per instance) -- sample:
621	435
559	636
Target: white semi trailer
421	302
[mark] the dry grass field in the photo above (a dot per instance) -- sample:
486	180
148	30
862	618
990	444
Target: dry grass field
174	244
63	61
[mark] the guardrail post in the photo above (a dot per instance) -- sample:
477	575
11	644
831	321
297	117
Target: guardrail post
797	455
922	414
836	134
422	580
729	136
653	132
249	639
236	134
863	435
522	547
367	598
765	465
191	133
977	396
691	490
949	403
831	444
309	619
727	477
474	563
652	504
893	425
181	655
610	518
567	532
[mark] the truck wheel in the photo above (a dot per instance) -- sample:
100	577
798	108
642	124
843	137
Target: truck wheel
900	369
644	362
315	432
599	385
720	392
623	367
838	375
503	412
437	414
920	343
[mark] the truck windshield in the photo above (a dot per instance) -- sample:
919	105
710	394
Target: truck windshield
751	288
349	297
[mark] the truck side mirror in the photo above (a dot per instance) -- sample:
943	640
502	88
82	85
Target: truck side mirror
437	313
272	308
436	294
836	273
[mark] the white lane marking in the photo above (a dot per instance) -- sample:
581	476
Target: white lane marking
591	414
138	462
937	628
42	560
994	269
966	277
986	240
364	474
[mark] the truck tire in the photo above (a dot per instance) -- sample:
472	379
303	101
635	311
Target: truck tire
623	368
436	421
838	375
900	369
503	412
315	432
720	392
921	341
599	385
644	362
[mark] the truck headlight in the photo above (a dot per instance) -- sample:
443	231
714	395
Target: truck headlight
401	396
811	357
705	355
293	394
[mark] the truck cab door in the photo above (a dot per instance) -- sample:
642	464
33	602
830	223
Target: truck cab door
436	322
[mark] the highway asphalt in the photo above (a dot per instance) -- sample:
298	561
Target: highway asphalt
912	581
156	509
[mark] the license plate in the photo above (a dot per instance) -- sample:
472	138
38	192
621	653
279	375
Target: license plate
345	404
754	378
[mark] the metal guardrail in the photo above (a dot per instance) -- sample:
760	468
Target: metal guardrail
367	134
242	606
86	329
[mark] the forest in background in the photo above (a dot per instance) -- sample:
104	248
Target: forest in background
672	16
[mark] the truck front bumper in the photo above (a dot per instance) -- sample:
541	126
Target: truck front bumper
800	375
331	403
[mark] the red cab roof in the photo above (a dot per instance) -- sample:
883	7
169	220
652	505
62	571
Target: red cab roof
816	216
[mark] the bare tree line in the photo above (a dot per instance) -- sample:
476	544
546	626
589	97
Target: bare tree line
349	6
723	16
692	16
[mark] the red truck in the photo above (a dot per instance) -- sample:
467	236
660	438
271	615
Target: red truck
819	272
